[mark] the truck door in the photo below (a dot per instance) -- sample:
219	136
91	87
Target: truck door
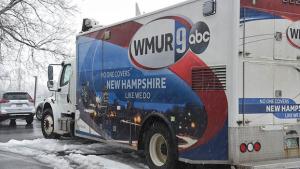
63	96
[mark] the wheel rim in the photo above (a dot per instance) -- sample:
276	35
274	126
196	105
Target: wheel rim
48	124
39	114
158	149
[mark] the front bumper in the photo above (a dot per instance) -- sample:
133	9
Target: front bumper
15	116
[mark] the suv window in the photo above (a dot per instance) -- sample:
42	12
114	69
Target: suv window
66	75
16	96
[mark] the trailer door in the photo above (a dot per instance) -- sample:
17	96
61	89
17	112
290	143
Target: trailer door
287	52
256	52
258	85
287	90
257	32
287	31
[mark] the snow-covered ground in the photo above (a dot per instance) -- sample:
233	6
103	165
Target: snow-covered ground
67	154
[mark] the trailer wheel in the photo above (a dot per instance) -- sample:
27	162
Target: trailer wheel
160	148
47	124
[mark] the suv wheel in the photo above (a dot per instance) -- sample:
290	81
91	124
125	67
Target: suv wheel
29	120
12	122
38	114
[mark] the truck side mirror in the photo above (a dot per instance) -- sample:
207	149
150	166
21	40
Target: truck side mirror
50	73
50	77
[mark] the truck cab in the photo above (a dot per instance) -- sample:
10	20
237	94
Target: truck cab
59	109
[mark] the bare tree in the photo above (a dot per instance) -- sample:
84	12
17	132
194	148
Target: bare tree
40	25
32	33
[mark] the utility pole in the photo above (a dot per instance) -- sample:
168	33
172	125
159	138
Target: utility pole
35	87
0	48
20	67
19	74
1	34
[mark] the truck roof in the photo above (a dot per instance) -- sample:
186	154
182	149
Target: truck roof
97	28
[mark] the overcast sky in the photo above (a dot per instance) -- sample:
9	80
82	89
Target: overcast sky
110	11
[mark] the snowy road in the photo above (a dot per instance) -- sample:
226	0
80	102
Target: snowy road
69	154
24	146
12	161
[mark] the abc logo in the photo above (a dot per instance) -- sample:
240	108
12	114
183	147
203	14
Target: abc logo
199	37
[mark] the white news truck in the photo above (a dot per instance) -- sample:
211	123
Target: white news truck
203	82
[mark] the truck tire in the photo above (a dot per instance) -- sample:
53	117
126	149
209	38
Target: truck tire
38	114
29	120
47	124
160	147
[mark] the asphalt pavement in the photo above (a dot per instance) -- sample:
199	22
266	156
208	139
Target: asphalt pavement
20	131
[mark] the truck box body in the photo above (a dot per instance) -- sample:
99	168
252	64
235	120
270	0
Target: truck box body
269	80
222	80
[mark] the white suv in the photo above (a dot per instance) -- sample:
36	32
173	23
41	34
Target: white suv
16	105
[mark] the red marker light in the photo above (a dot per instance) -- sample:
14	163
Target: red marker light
257	146
243	147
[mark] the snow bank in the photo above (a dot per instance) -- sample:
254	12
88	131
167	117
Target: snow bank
61	154
94	162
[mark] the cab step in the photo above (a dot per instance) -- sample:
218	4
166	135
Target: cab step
65	123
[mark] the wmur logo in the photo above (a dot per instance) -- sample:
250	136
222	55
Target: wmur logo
162	42
293	34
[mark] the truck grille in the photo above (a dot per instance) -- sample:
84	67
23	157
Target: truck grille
209	78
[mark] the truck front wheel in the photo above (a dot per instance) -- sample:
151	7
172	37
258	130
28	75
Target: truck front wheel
160	148
47	124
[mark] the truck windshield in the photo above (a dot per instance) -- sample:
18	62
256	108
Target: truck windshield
66	75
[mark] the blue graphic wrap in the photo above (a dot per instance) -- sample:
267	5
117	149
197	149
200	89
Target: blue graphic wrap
283	108
181	40
254	15
113	96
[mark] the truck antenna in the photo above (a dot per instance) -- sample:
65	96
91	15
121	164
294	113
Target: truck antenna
137	10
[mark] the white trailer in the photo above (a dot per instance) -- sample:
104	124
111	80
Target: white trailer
203	82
